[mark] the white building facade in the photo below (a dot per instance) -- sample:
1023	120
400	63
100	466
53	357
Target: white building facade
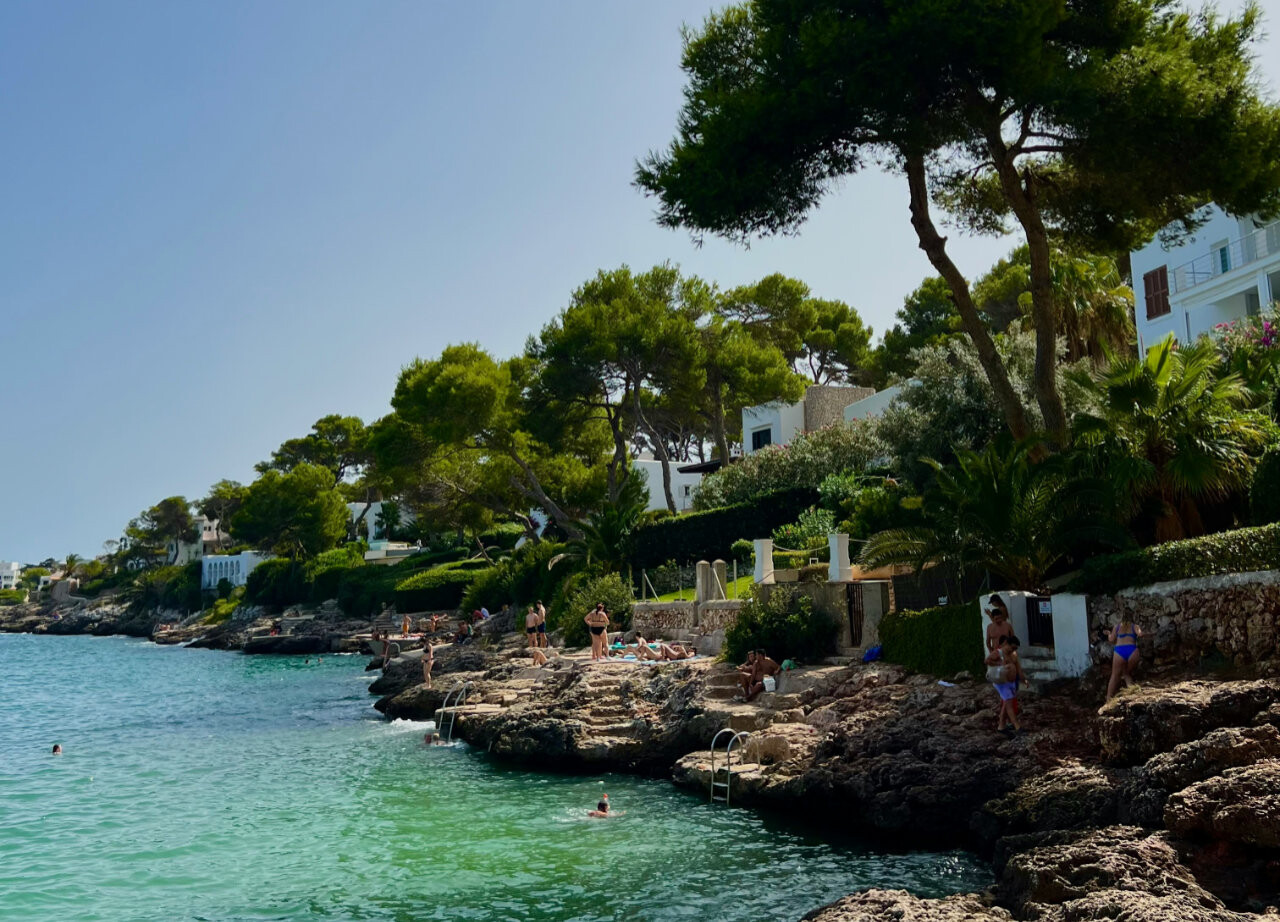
683	486
1229	269
777	423
10	573
235	568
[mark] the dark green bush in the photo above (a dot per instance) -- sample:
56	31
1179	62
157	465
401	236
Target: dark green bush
1264	494
434	590
743	550
278	582
503	536
710	535
609	589
12	596
170	587
781	622
326	572
1240	551
518	580
936	641
363	591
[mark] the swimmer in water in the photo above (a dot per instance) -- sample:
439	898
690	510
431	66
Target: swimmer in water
57	749
602	808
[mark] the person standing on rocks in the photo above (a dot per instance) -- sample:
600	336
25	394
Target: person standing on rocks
1004	672
1124	640
597	621
531	627
999	626
542	624
428	661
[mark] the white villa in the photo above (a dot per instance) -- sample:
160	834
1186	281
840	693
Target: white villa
10	573
684	482
235	568
1227	270
777	423
180	553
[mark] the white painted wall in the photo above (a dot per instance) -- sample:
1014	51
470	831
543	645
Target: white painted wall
783	420
1217	297
10	572
233	567
369	526
683	486
875	405
1071	634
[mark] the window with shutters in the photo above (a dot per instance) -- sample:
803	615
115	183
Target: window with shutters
1155	286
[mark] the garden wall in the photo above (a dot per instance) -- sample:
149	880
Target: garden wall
1236	615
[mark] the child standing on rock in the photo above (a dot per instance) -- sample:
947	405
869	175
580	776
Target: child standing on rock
1004	672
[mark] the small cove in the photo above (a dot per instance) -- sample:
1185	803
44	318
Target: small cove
202	785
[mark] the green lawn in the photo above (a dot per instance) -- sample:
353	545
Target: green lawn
735	590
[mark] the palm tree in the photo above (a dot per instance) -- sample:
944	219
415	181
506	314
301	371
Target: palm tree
997	509
1172	433
70	565
1095	306
607	531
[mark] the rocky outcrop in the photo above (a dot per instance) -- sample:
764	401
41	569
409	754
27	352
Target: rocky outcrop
1242	805
901	906
1074	795
1144	722
1142	800
1121	872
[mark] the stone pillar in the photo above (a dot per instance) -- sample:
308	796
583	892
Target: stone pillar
839	570
703	583
764	560
721	582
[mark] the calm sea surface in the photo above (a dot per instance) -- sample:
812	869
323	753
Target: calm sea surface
214	786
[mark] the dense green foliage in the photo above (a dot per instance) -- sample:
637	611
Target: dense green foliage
782	622
1264	491
609	589
809	530
12	596
1239	551
710	535
937	641
519	580
170	587
294	514
434	590
805	462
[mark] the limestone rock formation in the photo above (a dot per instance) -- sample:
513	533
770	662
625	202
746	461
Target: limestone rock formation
1241	805
901	906
1144	722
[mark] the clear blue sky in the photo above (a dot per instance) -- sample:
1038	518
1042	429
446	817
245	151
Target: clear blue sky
221	221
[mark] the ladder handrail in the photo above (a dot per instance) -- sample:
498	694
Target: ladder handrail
736	738
459	695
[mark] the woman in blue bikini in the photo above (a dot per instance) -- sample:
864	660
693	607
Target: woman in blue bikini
1124	638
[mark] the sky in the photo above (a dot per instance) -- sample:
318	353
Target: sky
222	221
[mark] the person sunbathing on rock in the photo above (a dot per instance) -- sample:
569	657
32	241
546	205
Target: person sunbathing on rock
676	651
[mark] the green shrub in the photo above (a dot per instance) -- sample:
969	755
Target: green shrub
781	622
325	573
170	587
1240	551
936	641
1264	493
517	580
743	550
805	462
503	537
12	596
809	530
609	589
710	535
434	590
278	582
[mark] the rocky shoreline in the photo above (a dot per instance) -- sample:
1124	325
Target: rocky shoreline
1164	804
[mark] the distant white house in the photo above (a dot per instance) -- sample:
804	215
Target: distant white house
10	573
208	541
1227	270
370	526
875	405
777	423
684	484
235	568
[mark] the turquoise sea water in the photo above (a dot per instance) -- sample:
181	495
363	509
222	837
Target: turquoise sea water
214	786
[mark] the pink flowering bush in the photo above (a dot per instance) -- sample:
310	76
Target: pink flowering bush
1250	348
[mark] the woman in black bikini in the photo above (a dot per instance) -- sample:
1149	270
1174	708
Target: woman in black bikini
598	622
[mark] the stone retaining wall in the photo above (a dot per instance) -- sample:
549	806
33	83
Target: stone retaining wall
716	616
663	619
1237	616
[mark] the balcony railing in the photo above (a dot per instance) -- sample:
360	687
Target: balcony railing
1263	242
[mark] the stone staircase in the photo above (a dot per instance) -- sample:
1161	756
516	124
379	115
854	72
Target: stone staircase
1040	664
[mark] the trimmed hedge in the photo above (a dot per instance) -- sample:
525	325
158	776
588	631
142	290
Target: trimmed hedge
1264	493
936	641
711	535
434	590
1240	551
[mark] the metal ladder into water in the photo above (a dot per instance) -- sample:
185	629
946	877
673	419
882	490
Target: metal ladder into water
458	695
720	790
